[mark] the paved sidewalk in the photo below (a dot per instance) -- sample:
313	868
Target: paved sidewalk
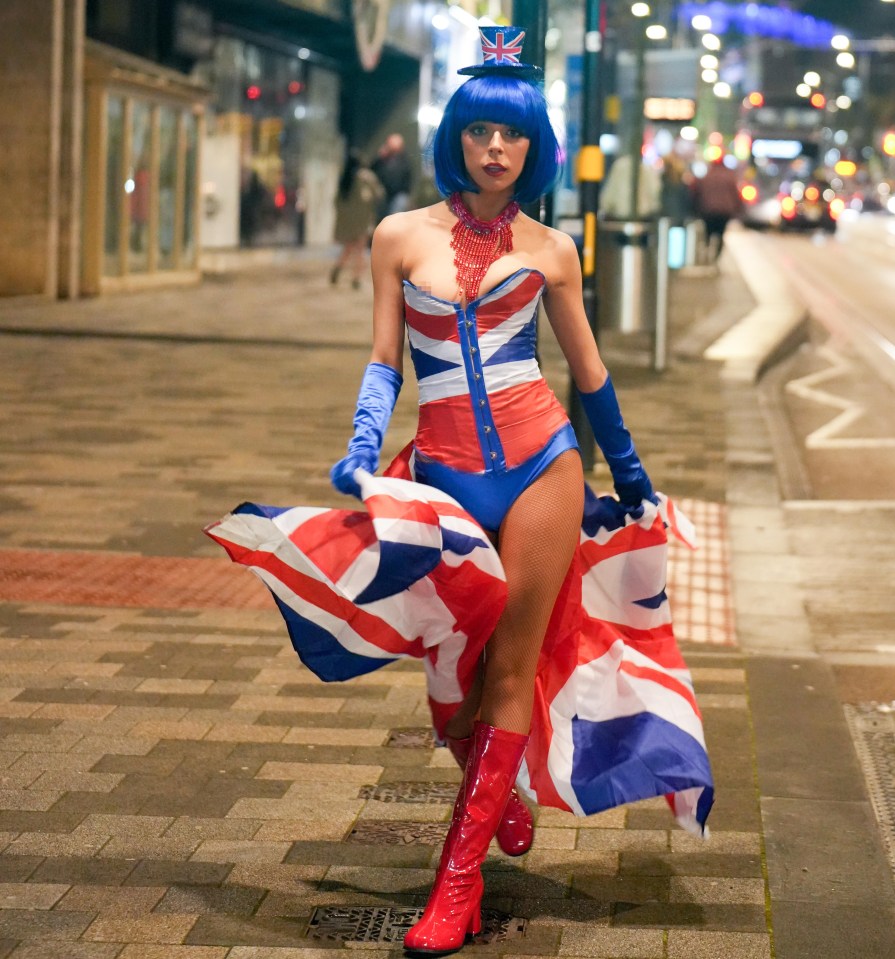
175	784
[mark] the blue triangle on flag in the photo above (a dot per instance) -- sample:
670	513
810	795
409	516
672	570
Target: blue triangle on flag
400	566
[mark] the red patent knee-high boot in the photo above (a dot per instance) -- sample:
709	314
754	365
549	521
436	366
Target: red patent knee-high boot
454	907
516	830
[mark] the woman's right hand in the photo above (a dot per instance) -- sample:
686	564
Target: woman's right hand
342	474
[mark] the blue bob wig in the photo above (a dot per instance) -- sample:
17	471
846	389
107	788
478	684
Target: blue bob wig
497	99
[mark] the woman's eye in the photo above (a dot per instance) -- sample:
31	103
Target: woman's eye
514	134
477	129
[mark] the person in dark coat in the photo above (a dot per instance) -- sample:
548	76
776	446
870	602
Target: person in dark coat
717	200
392	168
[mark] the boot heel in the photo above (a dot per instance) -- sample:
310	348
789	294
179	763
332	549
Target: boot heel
475	921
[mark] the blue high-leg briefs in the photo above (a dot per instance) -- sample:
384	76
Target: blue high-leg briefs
488	496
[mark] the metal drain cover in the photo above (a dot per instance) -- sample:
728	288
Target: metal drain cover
872	726
399	833
382	924
415	737
419	792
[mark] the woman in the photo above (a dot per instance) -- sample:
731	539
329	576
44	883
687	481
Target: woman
465	278
360	193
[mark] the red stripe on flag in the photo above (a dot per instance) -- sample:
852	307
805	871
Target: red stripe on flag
442	327
369	627
332	541
662	679
382	506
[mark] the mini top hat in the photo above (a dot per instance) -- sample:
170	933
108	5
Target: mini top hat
501	50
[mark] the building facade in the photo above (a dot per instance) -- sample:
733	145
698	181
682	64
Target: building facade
139	136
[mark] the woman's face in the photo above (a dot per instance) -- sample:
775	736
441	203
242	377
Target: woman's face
494	154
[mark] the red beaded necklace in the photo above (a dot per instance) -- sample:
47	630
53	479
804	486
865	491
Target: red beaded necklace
478	243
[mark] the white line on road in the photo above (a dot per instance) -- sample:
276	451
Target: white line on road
827	436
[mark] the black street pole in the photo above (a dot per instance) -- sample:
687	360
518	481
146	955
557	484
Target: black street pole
590	176
531	16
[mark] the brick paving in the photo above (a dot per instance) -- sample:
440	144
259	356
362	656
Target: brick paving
174	783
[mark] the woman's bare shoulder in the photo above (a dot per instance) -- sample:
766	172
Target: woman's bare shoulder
406	228
554	250
548	238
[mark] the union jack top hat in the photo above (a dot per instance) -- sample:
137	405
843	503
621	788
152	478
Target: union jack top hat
501	52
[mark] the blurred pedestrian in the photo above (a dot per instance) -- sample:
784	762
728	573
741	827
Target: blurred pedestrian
677	192
252	201
357	202
618	189
392	167
717	200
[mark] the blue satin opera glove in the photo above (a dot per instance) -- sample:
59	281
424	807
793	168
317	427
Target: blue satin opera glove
632	484
376	400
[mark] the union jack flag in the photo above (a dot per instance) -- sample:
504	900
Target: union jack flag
615	717
497	49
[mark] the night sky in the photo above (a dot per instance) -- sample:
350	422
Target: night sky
863	18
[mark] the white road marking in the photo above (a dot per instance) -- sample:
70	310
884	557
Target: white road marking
829	435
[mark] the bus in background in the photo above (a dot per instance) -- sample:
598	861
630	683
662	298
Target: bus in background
783	185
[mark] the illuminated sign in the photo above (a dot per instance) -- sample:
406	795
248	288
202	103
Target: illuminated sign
678	109
777	149
763	20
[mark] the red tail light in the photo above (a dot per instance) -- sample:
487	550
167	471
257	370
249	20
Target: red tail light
749	193
788	207
837	205
812	194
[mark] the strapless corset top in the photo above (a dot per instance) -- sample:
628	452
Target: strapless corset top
488	345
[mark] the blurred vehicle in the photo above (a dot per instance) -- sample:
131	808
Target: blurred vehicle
790	203
782	187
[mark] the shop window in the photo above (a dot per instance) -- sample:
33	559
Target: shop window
266	121
114	186
189	245
167	187
142	130
138	187
151	169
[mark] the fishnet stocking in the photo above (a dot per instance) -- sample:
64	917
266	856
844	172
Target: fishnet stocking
536	543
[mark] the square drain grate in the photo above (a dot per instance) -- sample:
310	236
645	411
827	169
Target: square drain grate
399	833
416	737
422	792
383	924
872	726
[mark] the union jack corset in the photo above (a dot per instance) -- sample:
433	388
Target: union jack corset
484	405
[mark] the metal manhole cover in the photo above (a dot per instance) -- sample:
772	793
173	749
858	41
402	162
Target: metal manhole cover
410	792
383	924
872	726
418	737
399	833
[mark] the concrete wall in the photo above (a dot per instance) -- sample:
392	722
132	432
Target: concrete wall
40	108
